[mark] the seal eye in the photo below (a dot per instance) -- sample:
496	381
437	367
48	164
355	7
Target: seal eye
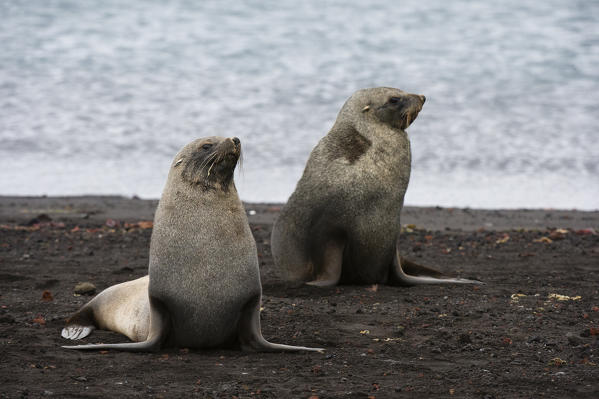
393	100
207	146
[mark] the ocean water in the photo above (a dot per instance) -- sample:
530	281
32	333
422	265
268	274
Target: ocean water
96	97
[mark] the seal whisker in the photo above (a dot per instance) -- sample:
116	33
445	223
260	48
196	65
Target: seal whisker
206	162
240	161
211	165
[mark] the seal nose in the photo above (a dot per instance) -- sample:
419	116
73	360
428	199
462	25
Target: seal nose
422	98
236	141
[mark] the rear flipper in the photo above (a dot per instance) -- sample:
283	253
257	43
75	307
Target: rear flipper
331	262
250	334
405	272
159	328
76	331
80	325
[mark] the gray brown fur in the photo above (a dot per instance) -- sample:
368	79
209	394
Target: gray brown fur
342	222
204	286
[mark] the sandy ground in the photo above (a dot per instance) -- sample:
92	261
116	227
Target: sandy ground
531	331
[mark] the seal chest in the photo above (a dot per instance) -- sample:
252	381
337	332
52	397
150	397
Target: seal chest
341	224
215	258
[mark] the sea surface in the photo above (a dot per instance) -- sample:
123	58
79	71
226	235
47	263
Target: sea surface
96	97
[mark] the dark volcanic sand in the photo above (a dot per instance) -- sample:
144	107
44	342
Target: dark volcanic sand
428	341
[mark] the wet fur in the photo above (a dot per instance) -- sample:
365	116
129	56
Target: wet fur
204	287
341	224
350	145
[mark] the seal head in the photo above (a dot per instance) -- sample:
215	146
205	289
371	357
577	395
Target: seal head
209	163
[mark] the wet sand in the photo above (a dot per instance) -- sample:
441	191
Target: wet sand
531	331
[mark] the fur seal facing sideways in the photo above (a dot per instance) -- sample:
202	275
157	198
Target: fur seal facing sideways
203	288
341	224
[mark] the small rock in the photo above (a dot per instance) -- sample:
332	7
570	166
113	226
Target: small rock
6	318
42	218
85	289
464	339
585	333
399	331
573	339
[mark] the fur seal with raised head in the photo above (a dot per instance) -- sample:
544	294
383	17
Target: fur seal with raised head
203	289
341	224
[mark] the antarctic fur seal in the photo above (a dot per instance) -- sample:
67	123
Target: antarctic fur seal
341	224
203	289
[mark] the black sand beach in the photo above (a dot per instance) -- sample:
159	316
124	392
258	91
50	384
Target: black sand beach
531	331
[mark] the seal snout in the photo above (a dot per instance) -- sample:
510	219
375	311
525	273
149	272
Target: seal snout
418	100
235	143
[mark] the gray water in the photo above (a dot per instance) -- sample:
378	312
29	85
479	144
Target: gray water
96	97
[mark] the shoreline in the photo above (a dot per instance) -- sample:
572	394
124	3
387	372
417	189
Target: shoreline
93	209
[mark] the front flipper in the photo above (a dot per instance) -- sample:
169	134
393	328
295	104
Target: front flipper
250	333
329	270
159	329
405	272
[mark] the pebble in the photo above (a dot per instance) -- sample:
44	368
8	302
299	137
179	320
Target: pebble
85	289
464	339
8	319
573	339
